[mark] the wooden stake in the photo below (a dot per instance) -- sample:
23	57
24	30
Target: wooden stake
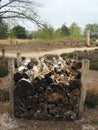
11	87
85	68
75	56
18	59
88	37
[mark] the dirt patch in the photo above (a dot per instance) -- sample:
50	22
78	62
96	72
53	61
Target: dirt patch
93	80
10	123
4	82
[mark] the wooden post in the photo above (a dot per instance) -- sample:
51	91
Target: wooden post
11	87
3	51
18	59
85	68
88	37
75	56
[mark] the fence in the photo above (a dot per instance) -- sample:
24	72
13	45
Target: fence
84	76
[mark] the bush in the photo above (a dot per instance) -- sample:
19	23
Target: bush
3	66
95	121
94	64
69	55
4	95
91	99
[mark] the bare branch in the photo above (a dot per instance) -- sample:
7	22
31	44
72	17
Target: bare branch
24	9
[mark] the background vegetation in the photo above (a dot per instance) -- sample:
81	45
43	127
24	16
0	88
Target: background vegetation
47	31
3	66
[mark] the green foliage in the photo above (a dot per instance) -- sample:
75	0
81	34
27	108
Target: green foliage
48	32
91	99
3	29
95	121
93	29
45	33
94	64
29	35
75	31
57	33
4	95
64	30
19	32
67	129
69	55
3	66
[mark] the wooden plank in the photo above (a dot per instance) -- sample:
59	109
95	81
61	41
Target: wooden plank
84	77
19	59
11	87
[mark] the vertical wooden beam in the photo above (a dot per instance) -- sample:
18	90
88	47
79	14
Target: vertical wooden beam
18	59
88	37
84	77
11	87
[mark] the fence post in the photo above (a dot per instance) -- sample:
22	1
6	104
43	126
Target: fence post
11	87
84	76
75	56
18	59
88	37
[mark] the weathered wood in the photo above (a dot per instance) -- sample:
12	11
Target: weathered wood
11	87
88	37
3	51
18	59
85	68
75	56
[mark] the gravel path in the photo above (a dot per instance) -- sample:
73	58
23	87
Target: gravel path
58	52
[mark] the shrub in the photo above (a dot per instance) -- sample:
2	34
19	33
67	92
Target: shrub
95	121
91	99
69	55
94	64
4	95
3	66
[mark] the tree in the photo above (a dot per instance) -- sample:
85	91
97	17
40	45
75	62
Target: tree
75	31
47	32
29	34
19	32
3	29
57	33
19	9
93	30
64	30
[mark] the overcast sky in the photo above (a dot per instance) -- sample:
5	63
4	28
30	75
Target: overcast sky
58	12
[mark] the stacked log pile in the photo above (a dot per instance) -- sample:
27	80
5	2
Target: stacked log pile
47	88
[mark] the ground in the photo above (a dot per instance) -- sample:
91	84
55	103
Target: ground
10	123
7	122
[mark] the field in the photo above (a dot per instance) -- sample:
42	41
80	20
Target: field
90	117
39	45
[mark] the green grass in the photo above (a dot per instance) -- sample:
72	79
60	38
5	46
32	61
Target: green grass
67	129
91	99
94	121
3	66
4	95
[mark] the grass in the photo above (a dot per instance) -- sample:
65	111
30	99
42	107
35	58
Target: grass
94	121
91	99
67	129
3	66
4	95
